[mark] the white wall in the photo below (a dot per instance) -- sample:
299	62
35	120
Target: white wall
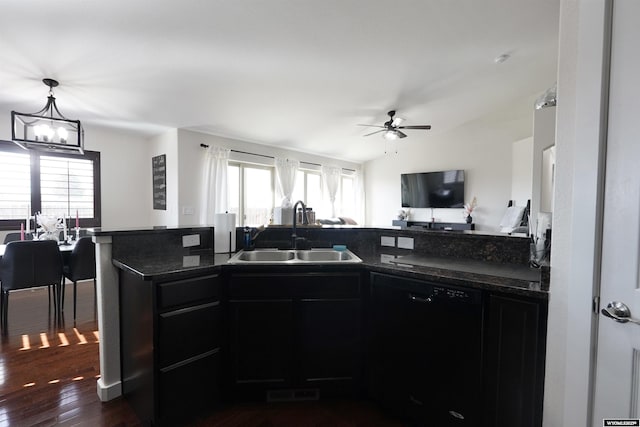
125	176
191	163
483	148
521	169
575	238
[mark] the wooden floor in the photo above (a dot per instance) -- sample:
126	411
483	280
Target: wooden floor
48	376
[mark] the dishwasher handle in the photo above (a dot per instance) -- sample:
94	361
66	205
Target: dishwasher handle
416	298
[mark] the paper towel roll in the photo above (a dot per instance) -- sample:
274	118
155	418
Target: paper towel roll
224	235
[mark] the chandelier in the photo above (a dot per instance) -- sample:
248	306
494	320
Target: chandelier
47	129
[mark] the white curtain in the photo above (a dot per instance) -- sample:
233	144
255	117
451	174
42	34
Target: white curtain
286	170
214	184
331	176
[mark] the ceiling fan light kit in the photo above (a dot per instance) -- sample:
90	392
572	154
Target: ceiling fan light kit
391	128
47	129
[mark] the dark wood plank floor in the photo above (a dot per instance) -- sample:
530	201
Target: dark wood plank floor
48	376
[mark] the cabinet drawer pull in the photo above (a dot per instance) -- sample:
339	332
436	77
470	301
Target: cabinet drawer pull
416	298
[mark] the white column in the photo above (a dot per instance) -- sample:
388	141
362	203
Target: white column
109	385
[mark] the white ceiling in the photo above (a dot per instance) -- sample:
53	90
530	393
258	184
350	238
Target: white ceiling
298	74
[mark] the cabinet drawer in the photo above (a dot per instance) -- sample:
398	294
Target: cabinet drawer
189	388
188	332
180	292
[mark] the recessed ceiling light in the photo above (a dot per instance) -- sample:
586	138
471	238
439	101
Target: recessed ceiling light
501	58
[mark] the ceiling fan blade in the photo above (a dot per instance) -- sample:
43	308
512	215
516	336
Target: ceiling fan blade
372	133
371	126
400	134
426	127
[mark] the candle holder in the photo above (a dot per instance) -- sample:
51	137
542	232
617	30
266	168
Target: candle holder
77	233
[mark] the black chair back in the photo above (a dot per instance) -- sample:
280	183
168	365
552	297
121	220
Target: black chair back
12	237
82	261
30	263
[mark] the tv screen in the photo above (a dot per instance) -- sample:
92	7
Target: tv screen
433	189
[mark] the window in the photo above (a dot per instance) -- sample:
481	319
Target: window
51	183
251	195
308	188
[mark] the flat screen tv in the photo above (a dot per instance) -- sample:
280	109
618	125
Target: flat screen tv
443	189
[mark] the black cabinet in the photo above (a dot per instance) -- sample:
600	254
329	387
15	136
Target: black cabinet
171	334
294	335
514	368
427	347
261	343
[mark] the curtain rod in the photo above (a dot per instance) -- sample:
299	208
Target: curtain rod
271	157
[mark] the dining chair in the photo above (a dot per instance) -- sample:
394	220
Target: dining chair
29	264
81	265
12	237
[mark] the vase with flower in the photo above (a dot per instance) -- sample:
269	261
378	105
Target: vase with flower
469	208
49	226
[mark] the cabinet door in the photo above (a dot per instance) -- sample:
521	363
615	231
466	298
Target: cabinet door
261	344
329	344
515	362
388	348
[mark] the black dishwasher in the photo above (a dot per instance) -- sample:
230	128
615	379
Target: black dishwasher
436	359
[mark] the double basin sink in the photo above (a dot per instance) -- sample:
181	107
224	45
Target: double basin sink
294	256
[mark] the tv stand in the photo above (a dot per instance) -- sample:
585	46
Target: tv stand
428	225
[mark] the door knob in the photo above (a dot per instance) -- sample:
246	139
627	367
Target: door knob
619	312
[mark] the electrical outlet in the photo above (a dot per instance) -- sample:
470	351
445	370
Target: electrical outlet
191	261
387	241
387	259
187	210
405	242
190	240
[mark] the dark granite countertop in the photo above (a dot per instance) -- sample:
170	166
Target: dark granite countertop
508	278
158	267
105	231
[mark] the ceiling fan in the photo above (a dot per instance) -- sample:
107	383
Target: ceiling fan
391	128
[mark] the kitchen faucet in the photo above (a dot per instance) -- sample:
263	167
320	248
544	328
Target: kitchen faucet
305	220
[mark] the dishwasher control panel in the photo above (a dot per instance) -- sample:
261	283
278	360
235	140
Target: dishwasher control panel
458	295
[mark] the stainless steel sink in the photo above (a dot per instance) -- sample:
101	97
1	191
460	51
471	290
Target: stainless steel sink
265	256
321	255
290	256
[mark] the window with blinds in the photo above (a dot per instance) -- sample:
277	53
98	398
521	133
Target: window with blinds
51	183
66	186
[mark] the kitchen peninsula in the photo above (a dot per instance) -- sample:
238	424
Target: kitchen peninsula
191	331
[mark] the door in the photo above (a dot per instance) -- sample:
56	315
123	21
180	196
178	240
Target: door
617	384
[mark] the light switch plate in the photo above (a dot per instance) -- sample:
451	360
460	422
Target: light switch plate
190	240
405	242
387	241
